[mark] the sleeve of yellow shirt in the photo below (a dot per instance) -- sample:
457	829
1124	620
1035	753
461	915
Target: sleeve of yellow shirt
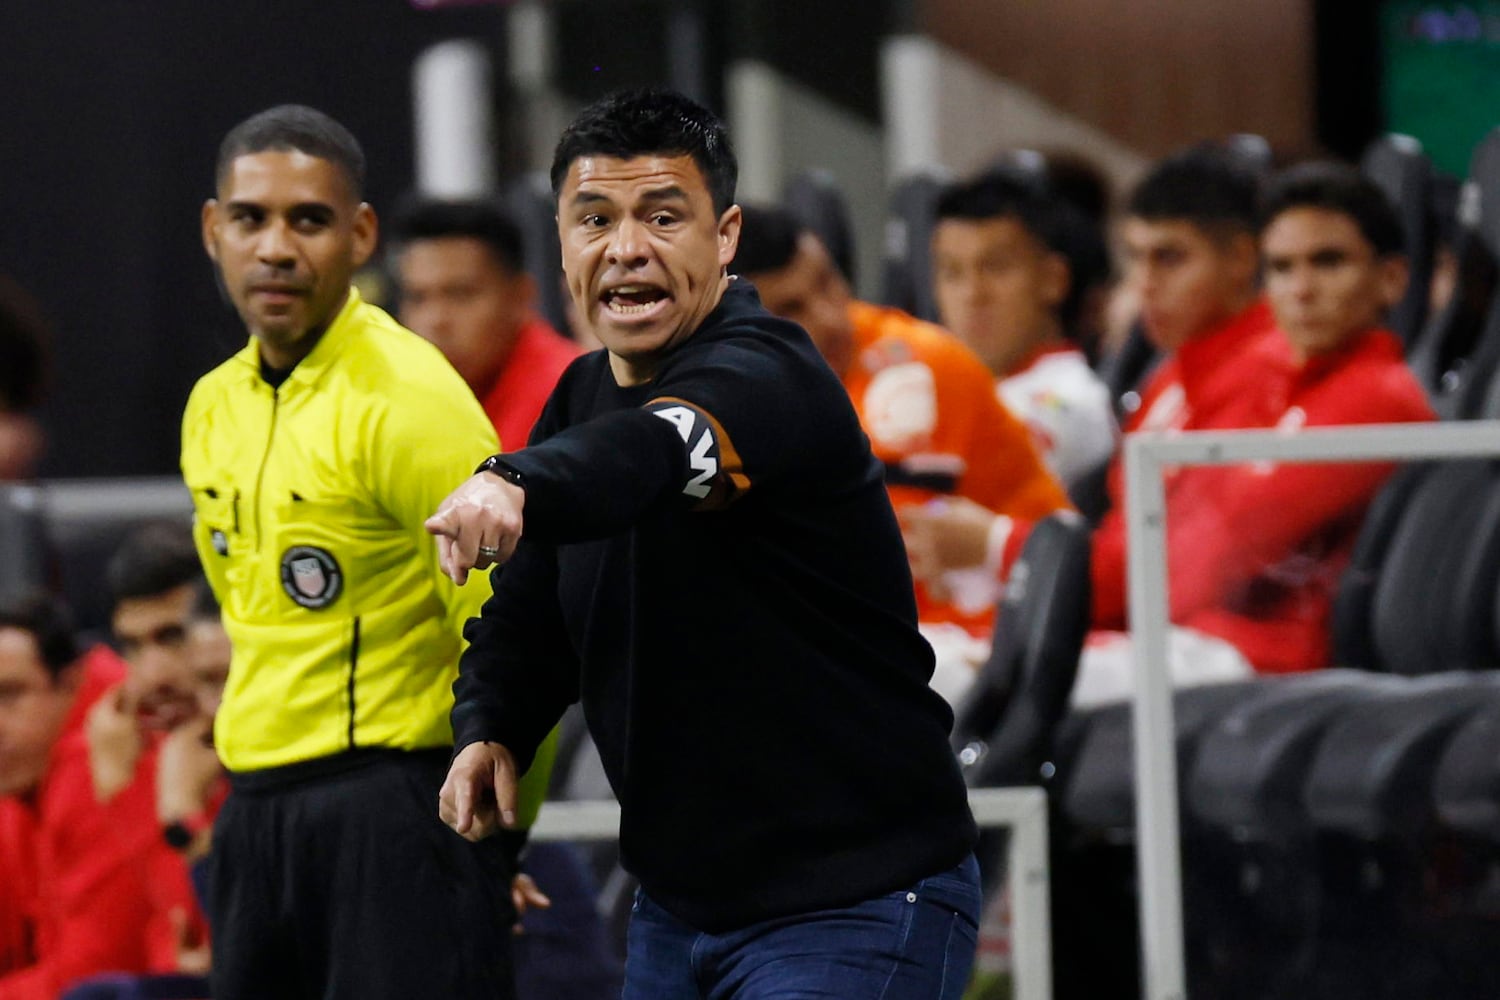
455	436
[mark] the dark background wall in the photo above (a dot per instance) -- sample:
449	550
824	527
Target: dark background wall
111	117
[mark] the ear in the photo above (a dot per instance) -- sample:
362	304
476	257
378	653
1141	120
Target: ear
70	678
1056	279
210	240
1242	251
525	288
1394	273
729	234
366	232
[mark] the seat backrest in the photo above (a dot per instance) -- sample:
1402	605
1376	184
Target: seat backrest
1372	777
1090	491
1431	605
1466	783
1353	641
814	199
87	520
1124	369
907	281
1457	356
1400	168
23	549
1003	729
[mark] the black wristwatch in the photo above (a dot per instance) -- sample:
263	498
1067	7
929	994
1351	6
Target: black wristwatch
495	464
180	833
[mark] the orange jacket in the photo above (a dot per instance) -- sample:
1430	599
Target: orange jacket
929	407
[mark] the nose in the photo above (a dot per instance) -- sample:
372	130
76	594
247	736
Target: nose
1144	279
1299	282
275	247
968	287
155	667
627	244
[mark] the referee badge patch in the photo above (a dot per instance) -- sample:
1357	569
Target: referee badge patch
311	576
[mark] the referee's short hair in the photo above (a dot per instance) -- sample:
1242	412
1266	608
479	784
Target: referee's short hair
295	128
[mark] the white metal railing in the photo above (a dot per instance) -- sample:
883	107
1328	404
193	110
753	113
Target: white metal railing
1024	810
1158	850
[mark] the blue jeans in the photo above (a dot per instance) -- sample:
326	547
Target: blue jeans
915	944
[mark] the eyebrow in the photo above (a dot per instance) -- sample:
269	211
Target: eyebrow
300	208
669	193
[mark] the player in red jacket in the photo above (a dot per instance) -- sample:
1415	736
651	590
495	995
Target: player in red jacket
458	267
1254	552
75	898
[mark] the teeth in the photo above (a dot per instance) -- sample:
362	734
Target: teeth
615	305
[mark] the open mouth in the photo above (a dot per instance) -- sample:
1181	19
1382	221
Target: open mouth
633	300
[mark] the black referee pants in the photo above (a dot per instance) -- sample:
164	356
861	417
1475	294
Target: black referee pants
335	880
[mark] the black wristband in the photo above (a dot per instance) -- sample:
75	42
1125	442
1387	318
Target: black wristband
495	464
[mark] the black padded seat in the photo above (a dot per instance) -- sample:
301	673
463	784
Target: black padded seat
1096	773
814	199
1400	168
1431	606
907	279
1004	728
1125	370
1372	775
1466	782
1247	776
1457	355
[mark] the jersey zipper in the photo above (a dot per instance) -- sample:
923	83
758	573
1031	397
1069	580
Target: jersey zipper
353	668
264	459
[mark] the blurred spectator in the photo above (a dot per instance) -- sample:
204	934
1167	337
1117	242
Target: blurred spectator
1255	551
1191	262
23	374
152	579
190	781
1005	286
137	732
74	892
928	405
462	284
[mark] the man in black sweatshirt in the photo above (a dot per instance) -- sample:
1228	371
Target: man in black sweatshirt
697	542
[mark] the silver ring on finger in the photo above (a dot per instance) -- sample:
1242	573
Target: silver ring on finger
489	552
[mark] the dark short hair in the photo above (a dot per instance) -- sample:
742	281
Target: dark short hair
153	559
24	349
205	604
479	219
632	123
49	623
998	194
295	127
1337	187
1204	186
1058	225
768	239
